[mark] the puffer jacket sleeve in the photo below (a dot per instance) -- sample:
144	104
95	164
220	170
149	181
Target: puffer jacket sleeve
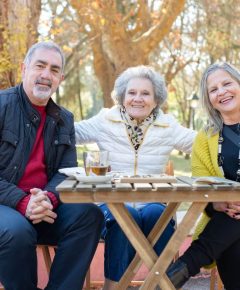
183	137
87	131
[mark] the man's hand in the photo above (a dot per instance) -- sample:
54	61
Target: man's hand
39	207
232	209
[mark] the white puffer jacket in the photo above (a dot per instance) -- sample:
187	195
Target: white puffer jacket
108	130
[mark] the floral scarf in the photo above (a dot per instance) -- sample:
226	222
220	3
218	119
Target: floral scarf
136	131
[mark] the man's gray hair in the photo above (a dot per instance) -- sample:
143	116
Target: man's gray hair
215	121
145	72
43	45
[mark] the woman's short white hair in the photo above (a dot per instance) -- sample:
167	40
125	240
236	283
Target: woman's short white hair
141	71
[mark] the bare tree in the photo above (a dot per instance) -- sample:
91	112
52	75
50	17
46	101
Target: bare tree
18	30
123	33
221	30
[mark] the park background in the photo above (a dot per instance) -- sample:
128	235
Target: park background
101	38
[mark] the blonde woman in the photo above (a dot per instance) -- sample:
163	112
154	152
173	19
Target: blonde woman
215	153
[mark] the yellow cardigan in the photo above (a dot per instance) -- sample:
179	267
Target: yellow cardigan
204	155
204	163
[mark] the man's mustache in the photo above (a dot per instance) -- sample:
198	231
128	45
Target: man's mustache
43	82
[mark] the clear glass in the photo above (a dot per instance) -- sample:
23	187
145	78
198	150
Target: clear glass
95	162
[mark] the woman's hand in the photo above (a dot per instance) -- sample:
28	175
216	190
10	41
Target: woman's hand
232	209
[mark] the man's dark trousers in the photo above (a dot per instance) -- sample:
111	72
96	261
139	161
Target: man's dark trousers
76	233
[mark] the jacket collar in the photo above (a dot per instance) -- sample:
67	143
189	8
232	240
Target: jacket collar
52	109
113	114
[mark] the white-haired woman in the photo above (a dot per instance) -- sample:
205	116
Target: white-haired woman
139	138
215	153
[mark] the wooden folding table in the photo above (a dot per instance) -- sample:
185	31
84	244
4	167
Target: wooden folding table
115	194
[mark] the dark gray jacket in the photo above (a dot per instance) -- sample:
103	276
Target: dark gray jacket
19	123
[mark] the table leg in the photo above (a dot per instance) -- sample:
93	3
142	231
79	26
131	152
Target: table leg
153	237
134	233
157	274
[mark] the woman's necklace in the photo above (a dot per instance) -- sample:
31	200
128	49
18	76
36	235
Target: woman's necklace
220	158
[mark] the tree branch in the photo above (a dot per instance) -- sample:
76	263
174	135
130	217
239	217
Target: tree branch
169	10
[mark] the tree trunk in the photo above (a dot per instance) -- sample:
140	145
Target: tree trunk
18	21
117	41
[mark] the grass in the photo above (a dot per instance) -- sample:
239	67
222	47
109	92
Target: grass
80	150
182	166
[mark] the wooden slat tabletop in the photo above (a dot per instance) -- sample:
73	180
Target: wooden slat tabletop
183	190
162	186
142	186
123	186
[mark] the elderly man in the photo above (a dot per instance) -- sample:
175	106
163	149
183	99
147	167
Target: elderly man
37	139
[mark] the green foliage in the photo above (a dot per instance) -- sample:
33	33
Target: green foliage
81	93
182	166
80	150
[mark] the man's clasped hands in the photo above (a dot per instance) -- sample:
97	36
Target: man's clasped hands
39	207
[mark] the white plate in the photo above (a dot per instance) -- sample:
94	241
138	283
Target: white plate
93	179
72	171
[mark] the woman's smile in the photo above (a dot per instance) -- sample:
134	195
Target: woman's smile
139	98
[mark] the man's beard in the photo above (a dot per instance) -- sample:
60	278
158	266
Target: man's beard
42	92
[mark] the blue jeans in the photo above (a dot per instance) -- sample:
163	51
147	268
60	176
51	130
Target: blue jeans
76	233
118	250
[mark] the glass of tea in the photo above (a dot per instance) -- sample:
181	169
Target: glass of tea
95	162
